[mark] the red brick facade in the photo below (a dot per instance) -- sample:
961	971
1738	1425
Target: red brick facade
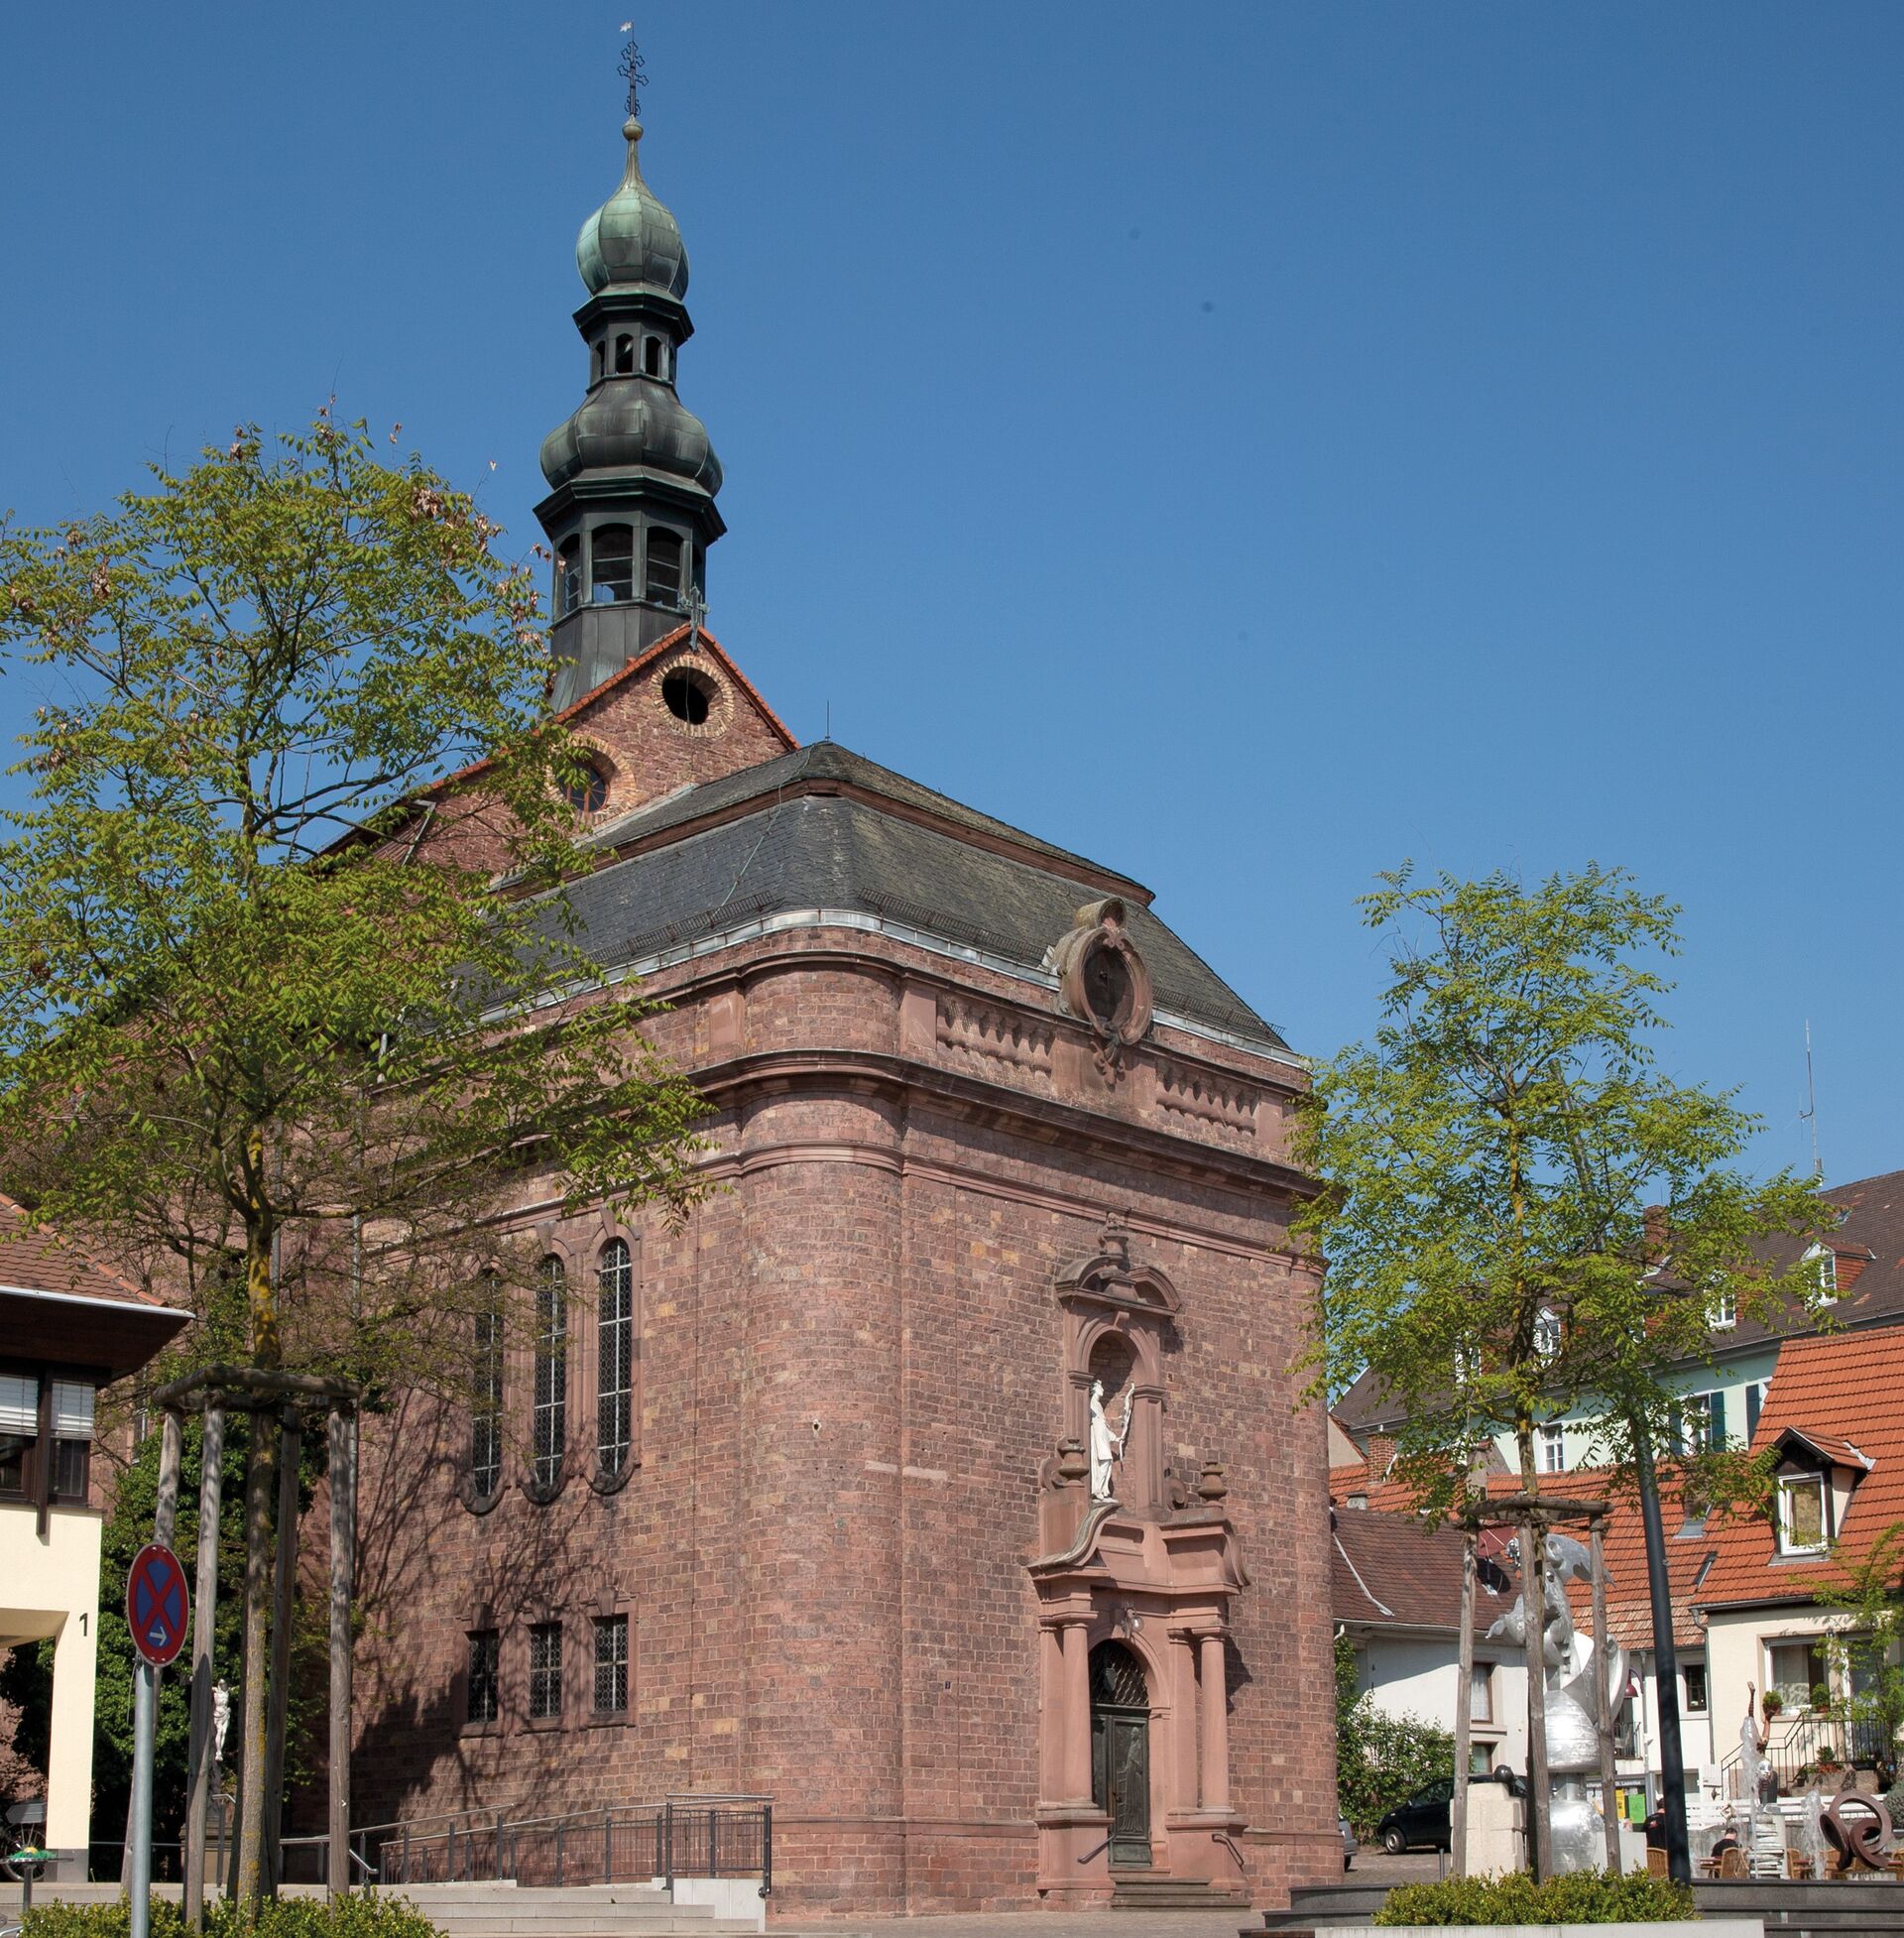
850	1387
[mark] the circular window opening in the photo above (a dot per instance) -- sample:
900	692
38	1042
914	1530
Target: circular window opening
587	792
688	696
1107	988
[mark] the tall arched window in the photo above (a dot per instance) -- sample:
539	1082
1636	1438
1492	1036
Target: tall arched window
568	576
652	356
486	1391
623	356
614	557
551	1372
615	1357
664	566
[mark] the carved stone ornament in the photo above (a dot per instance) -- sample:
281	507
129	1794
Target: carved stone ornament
1103	981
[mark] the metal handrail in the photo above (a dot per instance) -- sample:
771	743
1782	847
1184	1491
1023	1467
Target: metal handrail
687	1829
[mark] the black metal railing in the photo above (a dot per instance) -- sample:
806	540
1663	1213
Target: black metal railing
690	1836
1812	1742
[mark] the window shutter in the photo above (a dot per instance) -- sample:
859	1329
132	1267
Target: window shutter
1716	1418
1751	1408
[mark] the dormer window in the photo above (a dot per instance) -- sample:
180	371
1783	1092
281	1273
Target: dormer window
623	356
1801	1513
1724	1312
664	568
614	549
1547	1334
1823	1262
652	356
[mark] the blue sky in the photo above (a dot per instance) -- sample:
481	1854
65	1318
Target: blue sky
1251	444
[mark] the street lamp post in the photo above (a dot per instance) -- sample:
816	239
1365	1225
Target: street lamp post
1672	1761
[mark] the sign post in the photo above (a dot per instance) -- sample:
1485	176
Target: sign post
157	1608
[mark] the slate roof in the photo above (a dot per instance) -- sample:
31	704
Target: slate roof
1840	1393
810	770
799	842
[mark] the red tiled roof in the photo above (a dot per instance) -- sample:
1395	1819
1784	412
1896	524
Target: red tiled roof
1688	1546
36	1260
1391	1570
1839	1393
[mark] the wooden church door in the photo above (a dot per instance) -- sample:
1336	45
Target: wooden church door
1121	1750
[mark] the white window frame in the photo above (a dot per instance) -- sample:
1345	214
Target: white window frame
1724	1316
1553	1449
1547	1333
1823	1262
1789	1484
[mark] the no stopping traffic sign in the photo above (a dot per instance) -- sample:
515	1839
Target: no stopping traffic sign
158	1604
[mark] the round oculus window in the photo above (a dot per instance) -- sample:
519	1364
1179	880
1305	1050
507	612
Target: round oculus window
1108	991
588	791
688	695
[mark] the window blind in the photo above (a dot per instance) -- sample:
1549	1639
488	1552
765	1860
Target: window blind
72	1409
19	1402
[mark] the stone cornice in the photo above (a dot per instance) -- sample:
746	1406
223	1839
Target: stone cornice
735	1080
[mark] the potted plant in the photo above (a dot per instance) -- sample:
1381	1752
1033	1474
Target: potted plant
1771	1702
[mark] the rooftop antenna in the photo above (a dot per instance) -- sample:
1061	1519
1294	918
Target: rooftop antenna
634	70
1809	1115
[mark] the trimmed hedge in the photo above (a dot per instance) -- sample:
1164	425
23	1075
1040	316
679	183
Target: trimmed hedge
1578	1898
357	1916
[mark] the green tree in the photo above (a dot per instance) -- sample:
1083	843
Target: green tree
1864	1647
1523	1214
288	985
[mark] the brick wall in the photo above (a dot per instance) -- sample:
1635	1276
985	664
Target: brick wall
850	1374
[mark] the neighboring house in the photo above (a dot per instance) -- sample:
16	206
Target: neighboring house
1834	1421
1397	1598
70	1327
1860	1268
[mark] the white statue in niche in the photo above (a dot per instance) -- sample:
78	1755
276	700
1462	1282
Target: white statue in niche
1106	1448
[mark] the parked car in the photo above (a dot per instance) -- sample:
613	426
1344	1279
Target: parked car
1349	1847
1422	1820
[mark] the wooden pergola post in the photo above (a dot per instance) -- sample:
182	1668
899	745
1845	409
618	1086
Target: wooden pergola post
1533	1601
343	1569
275	1401
201	1771
1464	1709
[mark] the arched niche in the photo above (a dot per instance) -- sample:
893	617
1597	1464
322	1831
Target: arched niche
1118	1313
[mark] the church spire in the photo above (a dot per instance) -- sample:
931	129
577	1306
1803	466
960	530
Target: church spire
632	475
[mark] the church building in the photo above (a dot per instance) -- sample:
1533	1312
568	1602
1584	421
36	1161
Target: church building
943	1478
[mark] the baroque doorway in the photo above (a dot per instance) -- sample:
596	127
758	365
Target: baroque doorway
1121	1750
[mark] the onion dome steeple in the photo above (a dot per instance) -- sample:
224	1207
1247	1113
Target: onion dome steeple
632	474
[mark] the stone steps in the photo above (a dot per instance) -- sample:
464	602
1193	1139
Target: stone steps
1143	1891
492	1910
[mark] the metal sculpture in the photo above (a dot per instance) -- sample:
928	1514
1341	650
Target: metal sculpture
1570	1662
